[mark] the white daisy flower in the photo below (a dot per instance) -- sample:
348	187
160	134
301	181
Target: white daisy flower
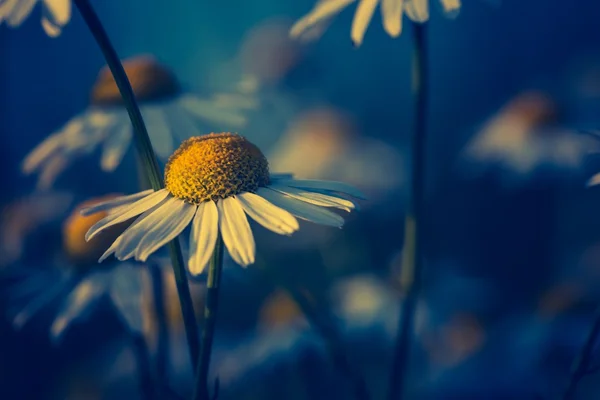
311	25
55	13
211	183
170	113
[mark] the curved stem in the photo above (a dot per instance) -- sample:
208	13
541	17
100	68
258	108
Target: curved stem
210	321
581	366
412	257
144	148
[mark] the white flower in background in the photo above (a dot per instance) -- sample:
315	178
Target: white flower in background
519	141
212	182
170	113
55	13
311	25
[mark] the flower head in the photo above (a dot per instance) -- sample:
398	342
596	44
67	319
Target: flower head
212	183
170	113
55	13
391	12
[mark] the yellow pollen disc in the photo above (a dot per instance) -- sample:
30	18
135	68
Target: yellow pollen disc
215	166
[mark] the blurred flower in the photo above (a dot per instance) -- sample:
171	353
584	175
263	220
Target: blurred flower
215	180
311	26
338	153
279	310
170	113
76	287
55	13
516	141
25	215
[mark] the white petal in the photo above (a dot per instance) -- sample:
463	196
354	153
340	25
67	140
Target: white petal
50	29
203	237
362	17
451	7
268	215
301	209
323	11
20	10
594	180
417	10
113	203
317	199
127	212
322	185
177	217
158	130
207	111
79	301
38	303
115	146
59	11
236	232
391	11
52	144
50	171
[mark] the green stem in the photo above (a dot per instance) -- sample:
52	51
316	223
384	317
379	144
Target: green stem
146	152
142	357
210	321
162	336
412	257
581	366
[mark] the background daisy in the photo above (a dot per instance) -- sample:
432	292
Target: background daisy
55	13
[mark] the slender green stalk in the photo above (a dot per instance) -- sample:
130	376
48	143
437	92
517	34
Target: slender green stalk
211	307
412	257
581	365
146	152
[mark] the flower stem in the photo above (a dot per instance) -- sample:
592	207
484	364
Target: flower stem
146	152
210	321
581	365
412	258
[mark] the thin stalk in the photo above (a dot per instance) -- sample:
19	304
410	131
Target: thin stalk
146	152
162	335
412	256
211	307
581	366
142	357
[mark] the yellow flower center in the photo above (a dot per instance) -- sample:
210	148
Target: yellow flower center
149	80
215	166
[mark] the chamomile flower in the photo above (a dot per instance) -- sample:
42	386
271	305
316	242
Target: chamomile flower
55	13
311	25
211	183
171	114
71	288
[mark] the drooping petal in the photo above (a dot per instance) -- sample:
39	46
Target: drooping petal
78	302
181	122
594	180
323	185
318	199
362	18
50	28
451	7
20	10
323	11
126	213
158	130
391	12
38	303
59	11
51	170
113	203
177	216
268	215
203	237
207	111
115	147
236	232
301	209
417	10
126	294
